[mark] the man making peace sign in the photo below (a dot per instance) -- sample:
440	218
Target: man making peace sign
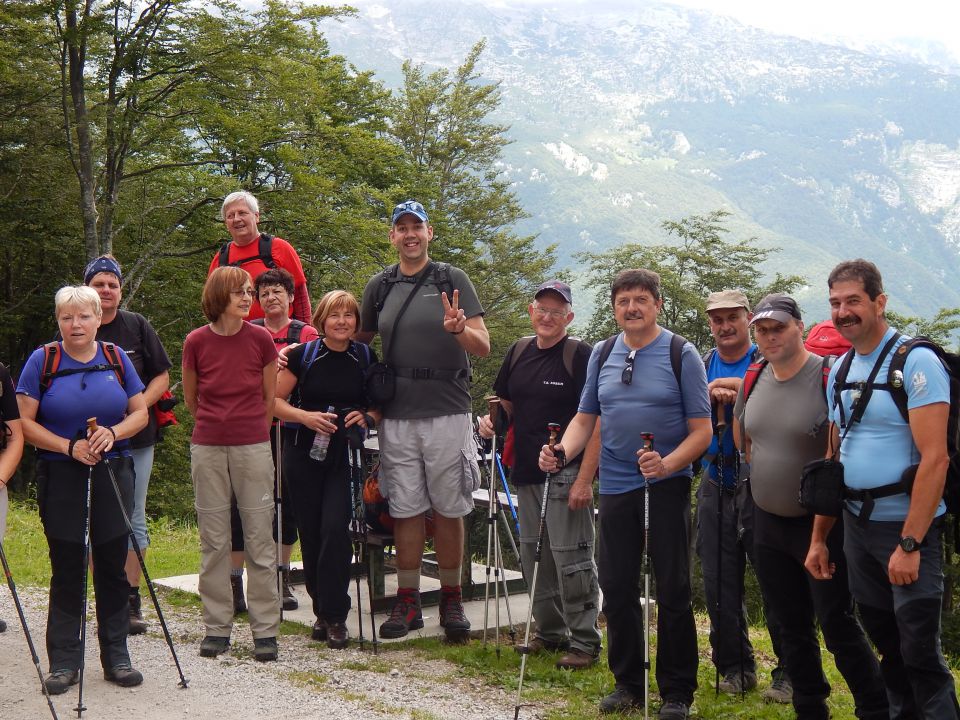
429	317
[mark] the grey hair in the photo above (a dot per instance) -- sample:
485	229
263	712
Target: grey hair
77	296
237	196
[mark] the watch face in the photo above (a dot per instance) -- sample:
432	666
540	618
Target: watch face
908	544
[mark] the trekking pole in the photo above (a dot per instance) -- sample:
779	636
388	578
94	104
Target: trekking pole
492	402
26	630
278	505
92	424
355	441
493	405
647	439
741	627
503	574
718	434
553	429
513	510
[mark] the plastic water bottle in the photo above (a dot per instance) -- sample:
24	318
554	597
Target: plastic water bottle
321	441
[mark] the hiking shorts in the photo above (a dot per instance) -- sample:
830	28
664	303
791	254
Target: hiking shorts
429	463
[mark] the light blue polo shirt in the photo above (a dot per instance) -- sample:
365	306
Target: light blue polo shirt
880	447
651	403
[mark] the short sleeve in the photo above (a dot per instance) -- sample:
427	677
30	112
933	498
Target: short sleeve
590	396
500	385
469	301
157	360
29	383
696	399
925	379
287	258
131	381
295	359
368	305
8	402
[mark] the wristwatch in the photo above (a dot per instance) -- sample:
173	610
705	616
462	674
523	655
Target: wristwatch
909	544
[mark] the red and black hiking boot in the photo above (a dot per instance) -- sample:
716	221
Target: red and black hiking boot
452	618
405	615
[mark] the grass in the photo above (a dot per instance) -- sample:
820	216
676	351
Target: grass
175	550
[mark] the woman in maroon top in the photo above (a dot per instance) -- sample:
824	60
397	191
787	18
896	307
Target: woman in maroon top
229	381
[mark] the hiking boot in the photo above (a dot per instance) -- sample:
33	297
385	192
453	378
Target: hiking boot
239	602
732	685
780	690
338	637
452	618
58	681
3	626
576	660
138	625
265	649
319	632
539	645
404	616
620	700
674	710
123	675
289	599
213	645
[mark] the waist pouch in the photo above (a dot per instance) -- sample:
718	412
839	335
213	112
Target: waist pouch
381	383
821	487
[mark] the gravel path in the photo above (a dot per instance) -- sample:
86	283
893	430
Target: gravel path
308	681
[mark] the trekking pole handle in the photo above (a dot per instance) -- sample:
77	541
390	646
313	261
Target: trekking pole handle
646	440
554	430
91	425
493	402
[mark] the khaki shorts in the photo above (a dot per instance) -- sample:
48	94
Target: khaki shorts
429	463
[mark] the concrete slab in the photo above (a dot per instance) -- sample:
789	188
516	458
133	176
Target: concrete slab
517	612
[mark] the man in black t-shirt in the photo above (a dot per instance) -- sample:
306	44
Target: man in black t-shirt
540	383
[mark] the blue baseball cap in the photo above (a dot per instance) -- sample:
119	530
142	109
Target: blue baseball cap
409	207
560	288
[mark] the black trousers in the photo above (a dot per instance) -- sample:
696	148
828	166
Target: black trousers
798	602
61	496
321	500
903	620
620	567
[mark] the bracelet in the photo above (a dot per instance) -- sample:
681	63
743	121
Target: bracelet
459	332
70	448
112	432
368	419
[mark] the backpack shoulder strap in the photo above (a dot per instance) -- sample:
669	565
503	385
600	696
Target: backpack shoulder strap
707	357
895	373
258	321
223	258
441	276
676	357
112	354
751	376
383	289
265	250
294	330
516	350
51	362
363	354
828	362
606	349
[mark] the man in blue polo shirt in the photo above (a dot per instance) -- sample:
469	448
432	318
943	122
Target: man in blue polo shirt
637	391
893	550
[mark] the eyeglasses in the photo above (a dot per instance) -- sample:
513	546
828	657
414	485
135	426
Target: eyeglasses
627	376
544	312
249	292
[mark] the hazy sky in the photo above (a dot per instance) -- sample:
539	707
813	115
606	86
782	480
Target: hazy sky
863	20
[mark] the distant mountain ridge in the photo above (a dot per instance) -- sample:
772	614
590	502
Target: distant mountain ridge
645	112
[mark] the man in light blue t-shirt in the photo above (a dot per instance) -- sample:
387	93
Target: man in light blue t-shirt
892	541
644	385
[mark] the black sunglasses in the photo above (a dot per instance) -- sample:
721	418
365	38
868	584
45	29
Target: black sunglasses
627	376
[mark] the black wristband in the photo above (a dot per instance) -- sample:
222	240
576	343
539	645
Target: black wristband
112	432
459	332
70	448
368	419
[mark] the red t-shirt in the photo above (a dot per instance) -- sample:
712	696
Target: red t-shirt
230	406
307	333
283	255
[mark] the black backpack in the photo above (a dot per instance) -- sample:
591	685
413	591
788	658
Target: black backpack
895	386
264	253
569	350
294	330
391	275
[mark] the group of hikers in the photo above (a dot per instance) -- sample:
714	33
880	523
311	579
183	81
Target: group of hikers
639	410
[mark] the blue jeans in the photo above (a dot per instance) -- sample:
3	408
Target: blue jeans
142	467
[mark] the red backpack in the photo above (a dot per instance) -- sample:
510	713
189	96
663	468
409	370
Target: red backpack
824	339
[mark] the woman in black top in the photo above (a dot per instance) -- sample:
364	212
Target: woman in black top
320	374
11	445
